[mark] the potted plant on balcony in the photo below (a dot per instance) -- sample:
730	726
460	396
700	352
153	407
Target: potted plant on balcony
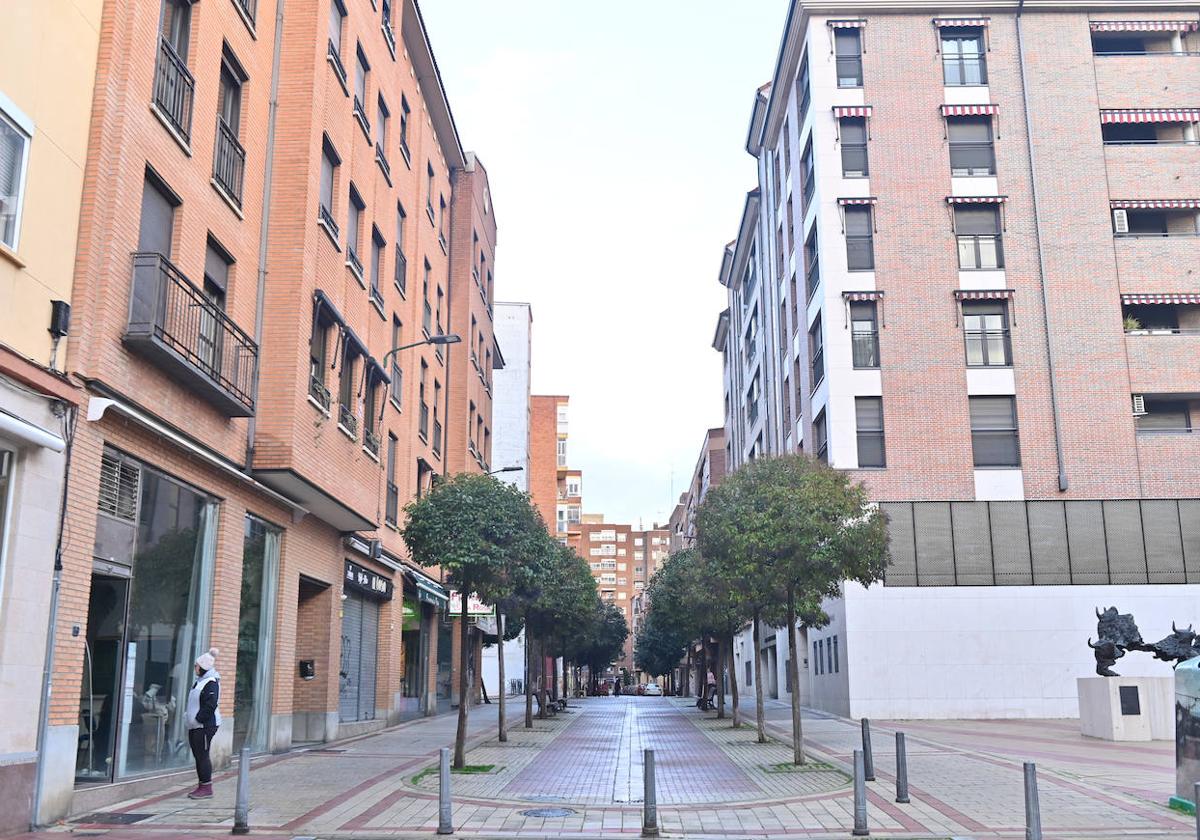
1134	327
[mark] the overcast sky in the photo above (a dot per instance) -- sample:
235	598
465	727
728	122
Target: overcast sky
613	134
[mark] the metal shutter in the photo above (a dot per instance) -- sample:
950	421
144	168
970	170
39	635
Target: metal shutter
1126	550
935	549
1164	541
368	648
1010	543
902	570
348	679
1048	540
972	548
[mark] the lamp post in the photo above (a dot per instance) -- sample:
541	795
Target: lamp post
434	340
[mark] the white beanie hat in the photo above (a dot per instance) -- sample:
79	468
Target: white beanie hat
206	661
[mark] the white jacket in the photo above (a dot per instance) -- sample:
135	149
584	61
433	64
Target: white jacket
212	678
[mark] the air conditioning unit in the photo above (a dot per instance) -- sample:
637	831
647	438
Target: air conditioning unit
1121	221
1139	405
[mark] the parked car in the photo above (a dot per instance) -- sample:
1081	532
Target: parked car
652	690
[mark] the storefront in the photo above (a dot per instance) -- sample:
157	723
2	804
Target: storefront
424	600
363	592
256	635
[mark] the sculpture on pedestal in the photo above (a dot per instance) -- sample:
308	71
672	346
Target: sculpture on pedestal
1119	633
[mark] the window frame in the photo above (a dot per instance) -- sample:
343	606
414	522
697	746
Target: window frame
985	334
967	145
23	128
863	239
960	59
873	308
876	432
1014	430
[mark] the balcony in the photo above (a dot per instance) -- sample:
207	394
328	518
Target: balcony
173	324
319	393
1163	362
173	90
1163	264
347	420
1163	170
1155	80
229	162
371	442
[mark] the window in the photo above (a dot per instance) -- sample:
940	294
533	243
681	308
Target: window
808	173
176	25
361	69
429	193
985	328
15	134
829	656
1160	222
318	360
812	268
979	242
835	654
352	231
1139	43
868	414
819	649
173	82
404	113
972	151
157	222
860	244
753	395
1164	417
853	131
820	438
209	338
1160	318
400	274
751	337
963	61
816	353
562	453
393	492
389	32
864	334
381	135
1148	133
347	419
423	419
229	157
377	246
847	46
803	94
370	420
397	388
994	436
329	164
337	16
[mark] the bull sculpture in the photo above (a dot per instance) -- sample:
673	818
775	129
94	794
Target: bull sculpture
1119	633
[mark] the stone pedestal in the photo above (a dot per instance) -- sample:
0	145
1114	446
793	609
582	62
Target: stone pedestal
1127	708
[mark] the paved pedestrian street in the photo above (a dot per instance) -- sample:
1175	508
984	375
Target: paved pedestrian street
580	774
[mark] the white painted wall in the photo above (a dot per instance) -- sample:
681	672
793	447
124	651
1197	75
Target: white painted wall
514	664
510	403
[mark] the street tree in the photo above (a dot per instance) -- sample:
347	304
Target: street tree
480	531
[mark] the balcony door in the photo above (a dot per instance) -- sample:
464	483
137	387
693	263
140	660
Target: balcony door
158	218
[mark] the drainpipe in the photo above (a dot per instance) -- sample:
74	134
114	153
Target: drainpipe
268	174
1037	232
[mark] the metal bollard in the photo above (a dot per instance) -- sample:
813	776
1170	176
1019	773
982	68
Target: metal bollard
649	798
445	825
241	808
868	758
860	797
1033	811
901	770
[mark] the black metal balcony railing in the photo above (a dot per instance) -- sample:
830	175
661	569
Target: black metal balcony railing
353	261
336	60
371	442
392	506
326	216
347	420
173	89
318	391
388	34
360	113
401	271
376	296
229	162
423	420
250	7
437	437
381	159
173	323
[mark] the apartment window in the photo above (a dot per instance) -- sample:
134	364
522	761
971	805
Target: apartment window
397	387
1151	223
817	657
853	131
423	419
812	268
157	222
173	82
357	205
1149	133
751	337
405	111
177	24
994	437
377	246
562	452
821	438
1161	318
392	509
1164	417
209	339
15	134
329	164
381	136
864	334
816	352
229	158
847	47
860	243
753	395
868	415
426	307
361	69
337	17
370	420
835	655
441	223
389	32
437	423
979	241
829	655
400	274
429	193
985	329
749	278
808	172
441	300
803	94
972	149
963	61
347	387
1160	42
318	359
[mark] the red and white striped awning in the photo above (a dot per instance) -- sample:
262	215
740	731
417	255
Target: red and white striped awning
976	199
1145	25
856	297
1157	204
959	22
984	294
857	23
969	110
1151	115
1190	298
840	111
870	199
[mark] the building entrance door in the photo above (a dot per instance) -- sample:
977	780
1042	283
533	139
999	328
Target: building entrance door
100	690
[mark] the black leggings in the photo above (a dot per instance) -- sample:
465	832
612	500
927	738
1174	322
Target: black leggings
200	740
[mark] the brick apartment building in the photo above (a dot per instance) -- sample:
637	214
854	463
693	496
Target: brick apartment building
966	275
709	470
274	199
557	491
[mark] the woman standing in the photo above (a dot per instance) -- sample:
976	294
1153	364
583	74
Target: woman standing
203	718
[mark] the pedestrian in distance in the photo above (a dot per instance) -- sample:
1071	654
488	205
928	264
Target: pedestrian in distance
203	719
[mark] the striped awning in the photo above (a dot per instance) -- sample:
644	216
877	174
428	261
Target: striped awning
857	23
957	22
1189	298
840	111
1145	25
1157	204
1151	115
969	110
976	199
856	297
984	294
852	201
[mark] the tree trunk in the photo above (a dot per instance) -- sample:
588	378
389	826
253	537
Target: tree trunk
541	679
733	687
702	670
528	675
687	683
460	738
759	716
500	665
794	676
719	671
554	695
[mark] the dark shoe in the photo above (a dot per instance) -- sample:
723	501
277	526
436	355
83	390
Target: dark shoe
201	792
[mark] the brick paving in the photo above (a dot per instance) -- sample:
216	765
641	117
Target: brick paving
713	781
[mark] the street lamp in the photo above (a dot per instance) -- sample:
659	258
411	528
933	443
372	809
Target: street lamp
513	468
434	340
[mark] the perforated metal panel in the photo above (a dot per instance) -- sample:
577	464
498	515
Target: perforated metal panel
1048	541
1126	551
1010	543
1189	518
902	571
935	549
1085	539
1164	541
972	544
